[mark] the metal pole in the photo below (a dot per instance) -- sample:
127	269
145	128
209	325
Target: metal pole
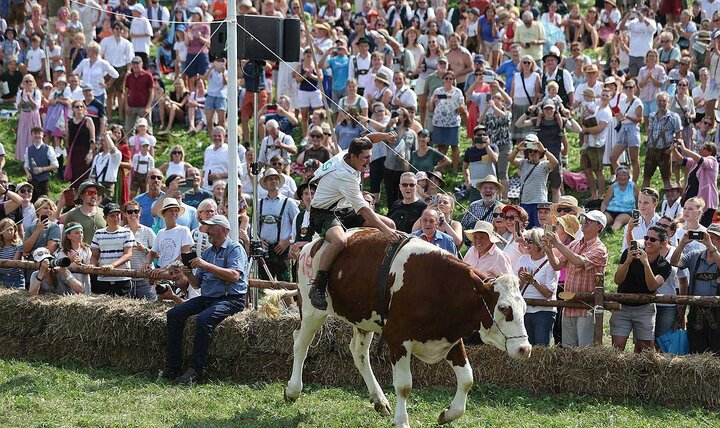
255	229
232	120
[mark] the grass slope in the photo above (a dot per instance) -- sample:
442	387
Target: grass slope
66	394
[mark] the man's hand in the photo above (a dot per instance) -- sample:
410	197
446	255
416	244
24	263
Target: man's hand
175	184
281	246
198	263
37	170
706	241
550	239
641	255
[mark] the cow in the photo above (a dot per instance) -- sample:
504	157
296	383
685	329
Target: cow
433	300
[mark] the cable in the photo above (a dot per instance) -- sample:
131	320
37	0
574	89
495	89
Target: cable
109	12
330	100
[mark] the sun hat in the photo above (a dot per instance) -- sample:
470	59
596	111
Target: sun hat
484	227
566	201
171	203
269	173
569	223
490	179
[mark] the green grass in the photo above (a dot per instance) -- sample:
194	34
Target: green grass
67	394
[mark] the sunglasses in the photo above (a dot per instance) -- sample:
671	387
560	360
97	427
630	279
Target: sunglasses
651	239
316	136
565	210
407	184
327	134
131	212
176	153
629	86
682	84
650	192
447	78
90	193
208	211
26	191
511	217
79	107
526	62
156	177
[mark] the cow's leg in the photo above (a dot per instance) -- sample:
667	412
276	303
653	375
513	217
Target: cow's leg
360	348
461	366
312	320
402	381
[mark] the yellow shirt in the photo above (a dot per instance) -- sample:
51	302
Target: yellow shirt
524	35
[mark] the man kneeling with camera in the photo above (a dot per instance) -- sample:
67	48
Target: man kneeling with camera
53	275
221	275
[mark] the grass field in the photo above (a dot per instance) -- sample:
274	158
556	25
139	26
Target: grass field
67	394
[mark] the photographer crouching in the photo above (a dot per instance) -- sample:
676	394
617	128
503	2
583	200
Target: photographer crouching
53	275
221	275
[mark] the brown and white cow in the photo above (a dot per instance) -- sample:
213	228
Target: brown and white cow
434	300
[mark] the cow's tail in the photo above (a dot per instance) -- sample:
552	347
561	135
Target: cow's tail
273	304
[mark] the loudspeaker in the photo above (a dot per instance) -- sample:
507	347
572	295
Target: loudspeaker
218	41
291	40
259	38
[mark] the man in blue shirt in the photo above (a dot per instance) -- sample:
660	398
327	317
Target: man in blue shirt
146	200
510	67
430	220
221	276
339	63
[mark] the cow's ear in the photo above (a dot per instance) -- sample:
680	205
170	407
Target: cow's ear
482	283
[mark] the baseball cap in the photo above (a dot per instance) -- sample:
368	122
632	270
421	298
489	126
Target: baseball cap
597	216
217	220
111	208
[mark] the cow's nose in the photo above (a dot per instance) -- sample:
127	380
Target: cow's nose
524	351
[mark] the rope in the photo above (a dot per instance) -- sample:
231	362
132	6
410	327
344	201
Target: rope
109	12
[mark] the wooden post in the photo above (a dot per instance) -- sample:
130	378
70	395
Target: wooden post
598	307
610	306
643	298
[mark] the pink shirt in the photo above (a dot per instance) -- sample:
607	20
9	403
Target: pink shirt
494	263
707	176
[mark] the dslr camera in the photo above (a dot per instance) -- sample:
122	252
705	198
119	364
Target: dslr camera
60	262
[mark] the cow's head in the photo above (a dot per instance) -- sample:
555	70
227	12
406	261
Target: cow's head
507	332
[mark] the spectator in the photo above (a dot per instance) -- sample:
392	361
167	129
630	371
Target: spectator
403	96
215	163
702	173
309	94
24	215
432	81
40	162
112	248
284	114
142	164
93	69
427	158
74	248
216	97
205	211
406	211
684	106
195	194
57	280
27	102
348	128
119	53
172	240
496	119
637	228
484	208
591	157
338	61
530	35
316	150
11	248
106	165
139	99
524	91
538	281
627	138
144	238
620	199
174	105
702	264
276	142
663	128
221	274
430	220
188	216
677	283
567	228
176	165
642	29
81	135
288	188
146	200
484	255
302	231
479	161
398	154
448	106
583	258
641	271
534	180
445	205
671	205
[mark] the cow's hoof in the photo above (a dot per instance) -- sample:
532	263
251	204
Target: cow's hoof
288	399
442	420
383	408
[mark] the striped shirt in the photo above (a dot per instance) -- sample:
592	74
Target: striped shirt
582	279
112	246
534	181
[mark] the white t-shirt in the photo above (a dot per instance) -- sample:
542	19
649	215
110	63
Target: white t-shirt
34	59
141	25
623	106
107	165
148	163
216	161
641	36
603	115
545	276
169	242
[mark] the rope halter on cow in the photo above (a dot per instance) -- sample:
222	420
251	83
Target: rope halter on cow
492	317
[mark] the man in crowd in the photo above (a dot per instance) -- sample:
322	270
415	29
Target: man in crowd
112	249
641	271
429	222
484	255
591	158
139	86
87	213
276	214
221	275
118	51
276	143
196	194
40	162
583	259
553	73
664	127
642	30
530	35
154	180
483	208
215	163
187	218
703	323
406	211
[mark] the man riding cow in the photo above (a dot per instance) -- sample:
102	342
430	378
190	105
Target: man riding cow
339	202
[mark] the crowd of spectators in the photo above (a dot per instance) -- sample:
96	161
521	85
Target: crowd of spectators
96	87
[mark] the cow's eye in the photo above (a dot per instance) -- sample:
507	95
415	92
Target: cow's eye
507	311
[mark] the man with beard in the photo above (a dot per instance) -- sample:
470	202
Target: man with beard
482	209
221	275
154	192
87	213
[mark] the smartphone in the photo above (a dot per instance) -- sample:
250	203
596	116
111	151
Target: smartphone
187	258
272	107
696	235
518	231
185	187
488	97
635	214
442	96
633	245
43	218
488	79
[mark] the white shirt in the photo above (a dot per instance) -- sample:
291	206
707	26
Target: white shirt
216	161
623	106
34	59
141	25
343	185
710	7
76	94
567	80
545	276
117	53
366	80
671	211
640	231
107	165
641	36
405	97
269	148
169	242
603	115
95	74
145	167
50	155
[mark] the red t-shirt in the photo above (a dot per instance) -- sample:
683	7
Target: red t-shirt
219	10
139	89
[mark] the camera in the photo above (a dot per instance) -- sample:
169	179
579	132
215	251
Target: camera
530	146
258	250
674	81
442	96
187	258
633	245
162	287
696	235
61	262
488	78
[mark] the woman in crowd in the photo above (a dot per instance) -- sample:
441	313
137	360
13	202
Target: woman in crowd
205	210
74	248
398	154
45	232
702	173
10	249
81	151
525	91
28	103
309	95
590	38
692	212
609	18
489	31
381	92
122	190
218	191
682	104
446	206
56	118
353	100
302	232
496	118
196	108
144	238
427	158
448	107
411	44
650	79
538	280
174	105
177	164
620	199
348	128
425	67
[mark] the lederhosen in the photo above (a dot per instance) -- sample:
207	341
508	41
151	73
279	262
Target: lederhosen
279	264
358	72
703	322
323	219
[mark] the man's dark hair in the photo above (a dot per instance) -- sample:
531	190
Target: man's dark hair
673	225
358	145
662	235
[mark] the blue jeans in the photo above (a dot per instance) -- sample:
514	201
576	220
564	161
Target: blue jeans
539	326
210	312
141	289
664	319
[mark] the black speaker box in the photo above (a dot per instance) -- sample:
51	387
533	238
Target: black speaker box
218	41
262	38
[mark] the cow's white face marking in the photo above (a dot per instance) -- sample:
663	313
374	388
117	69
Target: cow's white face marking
509	302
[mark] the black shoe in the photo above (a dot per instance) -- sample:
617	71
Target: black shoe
190	377
170	373
317	291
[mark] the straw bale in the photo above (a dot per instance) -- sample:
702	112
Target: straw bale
250	348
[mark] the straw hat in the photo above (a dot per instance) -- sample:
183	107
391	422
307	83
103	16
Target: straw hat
484	227
566	201
381	76
269	173
569	223
490	179
172	203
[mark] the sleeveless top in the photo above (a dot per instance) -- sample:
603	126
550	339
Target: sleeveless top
429	66
176	168
519	96
78	141
622	201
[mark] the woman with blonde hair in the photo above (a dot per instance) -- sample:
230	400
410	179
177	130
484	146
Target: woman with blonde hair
74	248
28	103
177	164
524	91
205	210
10	249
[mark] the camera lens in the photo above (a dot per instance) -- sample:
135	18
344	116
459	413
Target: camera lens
161	288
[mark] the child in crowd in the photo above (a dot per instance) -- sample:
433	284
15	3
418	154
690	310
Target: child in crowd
10	47
35	60
552	95
142	135
142	162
